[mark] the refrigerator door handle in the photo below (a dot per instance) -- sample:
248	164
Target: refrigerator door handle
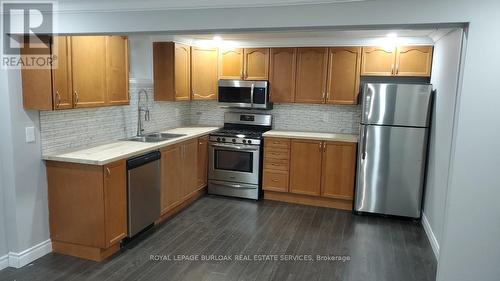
363	143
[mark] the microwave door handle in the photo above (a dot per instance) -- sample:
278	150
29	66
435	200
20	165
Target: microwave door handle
251	94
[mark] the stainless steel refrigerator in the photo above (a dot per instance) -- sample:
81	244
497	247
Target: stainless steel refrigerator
392	149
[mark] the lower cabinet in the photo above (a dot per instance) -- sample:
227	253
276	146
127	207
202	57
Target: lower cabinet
311	172
183	173
87	208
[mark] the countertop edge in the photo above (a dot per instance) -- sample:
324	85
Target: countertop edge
313	136
157	146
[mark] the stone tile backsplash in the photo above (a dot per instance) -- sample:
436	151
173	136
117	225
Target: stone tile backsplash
65	130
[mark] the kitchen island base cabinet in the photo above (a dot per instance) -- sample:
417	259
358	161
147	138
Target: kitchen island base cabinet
87	208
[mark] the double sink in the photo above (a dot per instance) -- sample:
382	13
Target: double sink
154	137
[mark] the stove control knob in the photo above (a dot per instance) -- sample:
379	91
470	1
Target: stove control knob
244	141
234	140
223	139
249	141
218	139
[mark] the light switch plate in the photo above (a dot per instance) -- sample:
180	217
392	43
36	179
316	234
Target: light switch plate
30	134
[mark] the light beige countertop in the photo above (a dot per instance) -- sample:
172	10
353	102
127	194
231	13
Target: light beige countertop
311	136
117	150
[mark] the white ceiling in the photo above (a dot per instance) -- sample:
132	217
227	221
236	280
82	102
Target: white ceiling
130	5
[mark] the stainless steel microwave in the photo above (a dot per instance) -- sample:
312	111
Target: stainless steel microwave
244	94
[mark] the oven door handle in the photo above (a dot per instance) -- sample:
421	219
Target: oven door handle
233	185
237	147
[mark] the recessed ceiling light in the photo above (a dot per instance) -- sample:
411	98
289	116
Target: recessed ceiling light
392	35
217	38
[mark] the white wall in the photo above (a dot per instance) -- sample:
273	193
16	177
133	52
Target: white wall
445	76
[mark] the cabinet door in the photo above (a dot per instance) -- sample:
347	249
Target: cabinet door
204	73
414	61
182	72
282	75
163	71
88	67
343	75
377	61
231	64
189	167
339	164
305	167
115	202
312	65
61	75
202	170
171	181
256	64
117	70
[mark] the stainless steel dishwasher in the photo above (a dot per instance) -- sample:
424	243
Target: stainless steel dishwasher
143	186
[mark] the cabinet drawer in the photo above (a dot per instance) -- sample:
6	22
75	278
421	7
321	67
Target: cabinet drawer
276	164
275	181
273	153
277	143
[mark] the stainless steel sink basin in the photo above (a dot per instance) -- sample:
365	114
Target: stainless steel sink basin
154	137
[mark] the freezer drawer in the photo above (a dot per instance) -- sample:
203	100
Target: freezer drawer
396	104
390	172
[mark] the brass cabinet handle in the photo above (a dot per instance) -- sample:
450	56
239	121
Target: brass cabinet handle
108	171
397	68
58	99
392	69
242	74
320	146
76	98
274	180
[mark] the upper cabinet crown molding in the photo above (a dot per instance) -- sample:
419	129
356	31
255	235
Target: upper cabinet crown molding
400	61
92	71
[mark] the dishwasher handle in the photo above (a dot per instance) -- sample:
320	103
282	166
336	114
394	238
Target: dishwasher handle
143	160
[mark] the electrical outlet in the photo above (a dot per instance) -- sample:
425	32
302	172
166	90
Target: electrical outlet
30	134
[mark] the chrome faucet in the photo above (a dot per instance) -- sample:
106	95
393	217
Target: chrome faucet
142	109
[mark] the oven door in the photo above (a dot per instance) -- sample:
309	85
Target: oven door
236	163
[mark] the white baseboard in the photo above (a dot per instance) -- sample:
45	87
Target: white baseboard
25	257
4	261
430	236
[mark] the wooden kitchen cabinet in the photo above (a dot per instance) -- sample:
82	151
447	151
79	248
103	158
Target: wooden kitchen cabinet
61	75
117	70
312	67
202	168
87	208
171	71
91	71
204	73
400	61
276	168
282	75
338	170
305	167
179	174
343	75
244	64
88	69
171	182
414	61
231	64
256	64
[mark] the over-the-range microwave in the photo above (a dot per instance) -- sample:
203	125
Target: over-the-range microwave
244	94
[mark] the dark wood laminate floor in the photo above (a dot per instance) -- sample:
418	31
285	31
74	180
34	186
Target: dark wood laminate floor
379	248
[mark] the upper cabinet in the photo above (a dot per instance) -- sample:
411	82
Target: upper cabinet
400	61
414	61
312	67
343	75
91	71
203	73
282	75
244	64
171	71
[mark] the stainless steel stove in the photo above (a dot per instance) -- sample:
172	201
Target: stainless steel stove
235	155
